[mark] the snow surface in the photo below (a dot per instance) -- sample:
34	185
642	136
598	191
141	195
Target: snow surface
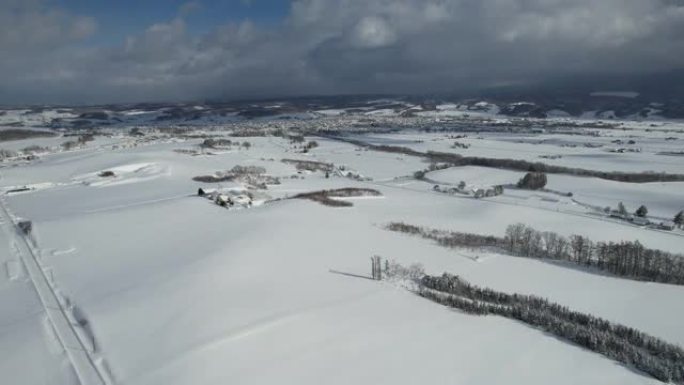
662	199
178	290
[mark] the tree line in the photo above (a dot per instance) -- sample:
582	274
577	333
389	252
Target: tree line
518	164
628	259
658	358
538	167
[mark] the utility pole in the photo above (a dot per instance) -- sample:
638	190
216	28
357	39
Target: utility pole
376	267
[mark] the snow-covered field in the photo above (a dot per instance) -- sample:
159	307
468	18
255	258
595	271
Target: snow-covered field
165	287
578	151
662	198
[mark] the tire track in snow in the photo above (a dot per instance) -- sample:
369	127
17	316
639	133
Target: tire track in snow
84	365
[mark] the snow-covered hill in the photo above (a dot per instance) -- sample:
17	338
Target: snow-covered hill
162	286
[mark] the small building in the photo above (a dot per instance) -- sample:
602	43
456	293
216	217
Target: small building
616	214
202	192
639	221
209	193
224	200
667	225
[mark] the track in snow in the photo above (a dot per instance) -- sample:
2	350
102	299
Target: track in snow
84	365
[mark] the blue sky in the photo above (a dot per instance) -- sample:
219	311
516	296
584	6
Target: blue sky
117	19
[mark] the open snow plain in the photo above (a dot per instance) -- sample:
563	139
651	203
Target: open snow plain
161	286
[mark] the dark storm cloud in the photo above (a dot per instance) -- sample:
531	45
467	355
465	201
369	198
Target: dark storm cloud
332	46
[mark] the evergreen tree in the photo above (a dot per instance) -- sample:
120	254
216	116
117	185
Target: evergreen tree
641	211
629	346
533	181
679	219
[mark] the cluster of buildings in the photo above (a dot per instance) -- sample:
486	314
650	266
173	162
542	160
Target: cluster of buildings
476	192
642	221
227	198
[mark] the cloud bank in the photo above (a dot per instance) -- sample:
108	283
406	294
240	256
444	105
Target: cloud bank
333	47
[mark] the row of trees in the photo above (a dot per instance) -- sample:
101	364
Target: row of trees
625	259
658	358
82	139
538	167
518	164
220	143
448	238
327	197
641	211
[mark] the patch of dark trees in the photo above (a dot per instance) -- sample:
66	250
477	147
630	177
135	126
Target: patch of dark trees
221	144
217	143
326	197
82	139
671	153
309	165
106	174
249	133
421	174
520	165
627	259
660	359
18	134
533	181
238	172
213	178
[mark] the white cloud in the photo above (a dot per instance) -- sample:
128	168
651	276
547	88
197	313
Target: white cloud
334	46
372	32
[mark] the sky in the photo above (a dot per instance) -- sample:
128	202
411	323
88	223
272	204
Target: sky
90	51
118	19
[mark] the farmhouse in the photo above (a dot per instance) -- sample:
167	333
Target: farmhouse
227	198
666	225
640	221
